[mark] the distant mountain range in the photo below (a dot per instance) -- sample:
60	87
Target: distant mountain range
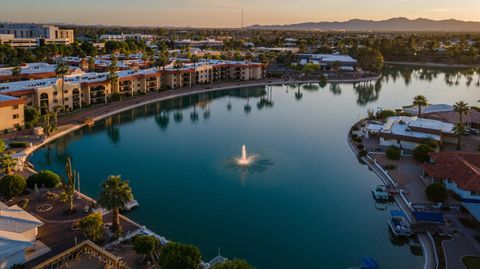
393	24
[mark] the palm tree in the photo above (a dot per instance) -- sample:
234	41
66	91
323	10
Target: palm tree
459	130
114	196
61	70
8	163
56	109
194	59
112	76
461	108
420	101
161	61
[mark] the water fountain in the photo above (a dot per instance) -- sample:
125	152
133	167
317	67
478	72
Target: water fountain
245	160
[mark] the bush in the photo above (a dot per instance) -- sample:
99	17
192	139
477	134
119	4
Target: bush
234	264
362	153
12	185
420	153
386	113
2	145
436	192
145	244
360	146
44	178
23	203
92	226
393	153
19	144
176	255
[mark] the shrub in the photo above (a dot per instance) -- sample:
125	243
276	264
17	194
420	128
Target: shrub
362	153
23	203
234	264
386	113
420	153
176	255
360	146
393	153
44	178
145	244
2	145
436	192
19	144
12	185
92	226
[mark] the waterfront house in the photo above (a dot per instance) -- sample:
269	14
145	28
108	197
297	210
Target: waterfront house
326	61
408	132
459	171
18	235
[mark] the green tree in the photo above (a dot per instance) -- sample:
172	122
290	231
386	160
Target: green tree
32	116
146	245
420	101
179	256
370	60
69	184
2	145
7	163
161	61
114	196
91	64
194	59
234	264
92	226
12	185
436	192
61	70
421	153
462	109
16	71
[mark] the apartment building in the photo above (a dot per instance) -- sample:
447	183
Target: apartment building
32	71
83	89
11	113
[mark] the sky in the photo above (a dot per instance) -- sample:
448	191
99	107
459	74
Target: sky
227	13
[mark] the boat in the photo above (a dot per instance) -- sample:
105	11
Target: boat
398	224
380	193
130	205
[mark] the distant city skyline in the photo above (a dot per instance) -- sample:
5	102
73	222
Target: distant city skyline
227	13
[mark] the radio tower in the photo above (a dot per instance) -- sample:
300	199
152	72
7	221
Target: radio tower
241	27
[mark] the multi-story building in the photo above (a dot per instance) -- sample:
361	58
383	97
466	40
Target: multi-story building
25	33
32	71
124	37
11	113
83	89
212	43
24	43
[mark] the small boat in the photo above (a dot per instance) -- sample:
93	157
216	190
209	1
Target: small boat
398	224
130	205
380	193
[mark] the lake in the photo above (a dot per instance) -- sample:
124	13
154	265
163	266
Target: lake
306	200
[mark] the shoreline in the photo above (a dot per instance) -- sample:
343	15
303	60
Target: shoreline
171	94
426	241
429	64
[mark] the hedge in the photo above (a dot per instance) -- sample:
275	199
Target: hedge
12	185
19	144
44	178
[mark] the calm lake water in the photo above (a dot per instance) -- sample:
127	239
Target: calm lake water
305	203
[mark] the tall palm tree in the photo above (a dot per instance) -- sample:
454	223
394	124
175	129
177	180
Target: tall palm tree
459	130
91	64
61	70
462	109
7	163
56	109
161	61
112	76
420	101
114	196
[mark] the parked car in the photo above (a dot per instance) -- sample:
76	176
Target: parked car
474	131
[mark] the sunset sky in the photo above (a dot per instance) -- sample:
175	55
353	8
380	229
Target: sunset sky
227	13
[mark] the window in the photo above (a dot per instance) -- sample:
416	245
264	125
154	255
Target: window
55	93
474	193
66	98
15	106
16	116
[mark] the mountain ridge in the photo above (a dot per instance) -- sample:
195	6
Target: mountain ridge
392	24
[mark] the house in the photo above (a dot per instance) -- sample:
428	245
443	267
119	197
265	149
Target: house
18	235
459	171
445	113
408	132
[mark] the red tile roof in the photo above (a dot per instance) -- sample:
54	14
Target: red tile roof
462	168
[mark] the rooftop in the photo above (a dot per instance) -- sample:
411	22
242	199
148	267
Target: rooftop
15	219
400	125
462	168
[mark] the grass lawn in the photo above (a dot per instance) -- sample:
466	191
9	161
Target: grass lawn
472	262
